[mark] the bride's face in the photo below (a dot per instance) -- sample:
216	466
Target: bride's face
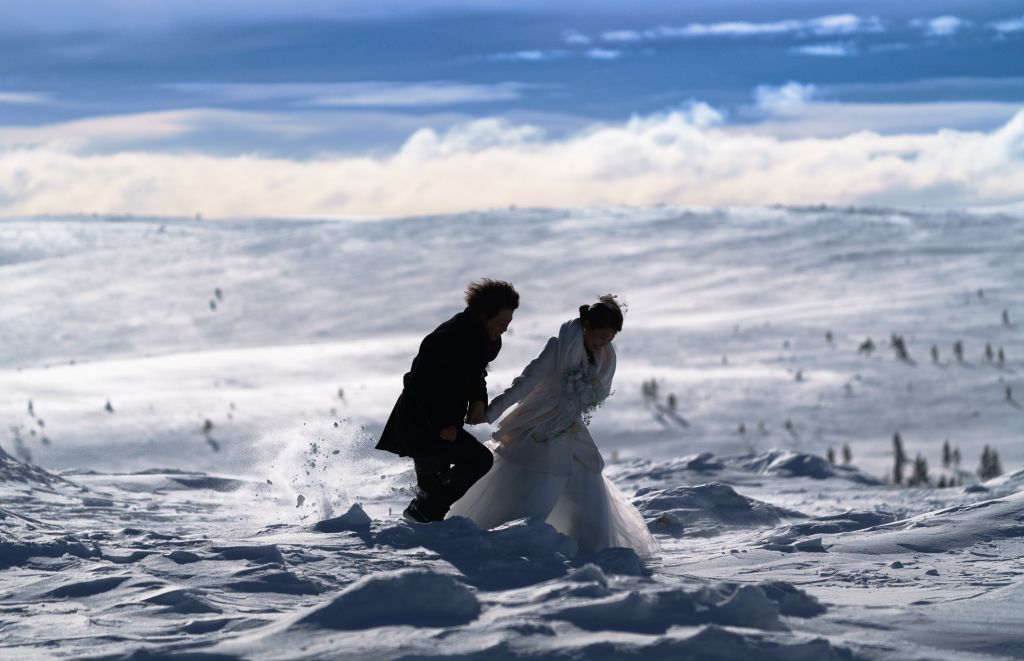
595	339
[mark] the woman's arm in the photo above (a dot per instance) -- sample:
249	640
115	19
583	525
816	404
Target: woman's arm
539	367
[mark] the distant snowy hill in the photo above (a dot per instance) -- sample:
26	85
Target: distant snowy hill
266	325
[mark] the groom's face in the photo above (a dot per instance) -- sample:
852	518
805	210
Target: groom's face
498	324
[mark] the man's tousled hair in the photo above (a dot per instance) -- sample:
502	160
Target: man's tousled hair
487	297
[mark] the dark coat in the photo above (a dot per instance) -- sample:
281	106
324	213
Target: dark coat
446	375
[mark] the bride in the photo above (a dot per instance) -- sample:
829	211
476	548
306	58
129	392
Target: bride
546	465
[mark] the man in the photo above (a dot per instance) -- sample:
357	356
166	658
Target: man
444	388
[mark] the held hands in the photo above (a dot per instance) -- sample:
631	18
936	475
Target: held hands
449	434
477	414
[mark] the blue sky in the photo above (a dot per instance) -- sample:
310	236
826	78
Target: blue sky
312	81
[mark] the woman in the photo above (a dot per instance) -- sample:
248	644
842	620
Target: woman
546	465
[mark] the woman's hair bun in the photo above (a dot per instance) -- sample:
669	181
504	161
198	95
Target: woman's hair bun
606	313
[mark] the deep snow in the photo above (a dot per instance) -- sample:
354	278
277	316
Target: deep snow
190	411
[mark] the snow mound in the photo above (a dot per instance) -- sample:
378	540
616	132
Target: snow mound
23	538
956	527
620	561
788	463
413	597
18	473
704	463
513	555
355	519
281	582
655	611
711	643
1004	484
176	600
705	509
791	537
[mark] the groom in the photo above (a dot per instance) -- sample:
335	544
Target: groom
445	387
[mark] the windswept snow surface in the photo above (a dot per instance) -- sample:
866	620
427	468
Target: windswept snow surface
189	411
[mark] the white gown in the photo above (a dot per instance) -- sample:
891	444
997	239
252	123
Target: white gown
546	465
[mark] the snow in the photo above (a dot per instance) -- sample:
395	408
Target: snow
230	505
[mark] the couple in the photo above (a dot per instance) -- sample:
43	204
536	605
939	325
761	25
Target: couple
545	464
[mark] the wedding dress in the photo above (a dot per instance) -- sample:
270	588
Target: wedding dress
546	464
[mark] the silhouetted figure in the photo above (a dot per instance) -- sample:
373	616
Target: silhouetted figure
444	389
899	345
919	476
958	351
935	354
866	347
990	465
650	391
899	458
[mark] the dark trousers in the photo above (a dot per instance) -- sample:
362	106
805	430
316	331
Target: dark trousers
445	472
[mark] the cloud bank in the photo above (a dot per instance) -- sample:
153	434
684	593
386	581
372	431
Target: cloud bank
674	158
368	94
836	24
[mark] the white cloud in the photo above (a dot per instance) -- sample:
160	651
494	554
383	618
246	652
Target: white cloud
603	54
529	56
24	98
941	26
845	24
622	35
1008	25
431	93
831	119
576	38
785	99
671	159
836	24
836	49
90	133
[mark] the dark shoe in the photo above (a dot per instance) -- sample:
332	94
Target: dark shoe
412	513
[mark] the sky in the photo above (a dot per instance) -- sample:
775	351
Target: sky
360	108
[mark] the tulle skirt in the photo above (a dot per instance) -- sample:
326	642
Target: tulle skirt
583	505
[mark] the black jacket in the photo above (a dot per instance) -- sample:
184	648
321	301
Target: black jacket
446	375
